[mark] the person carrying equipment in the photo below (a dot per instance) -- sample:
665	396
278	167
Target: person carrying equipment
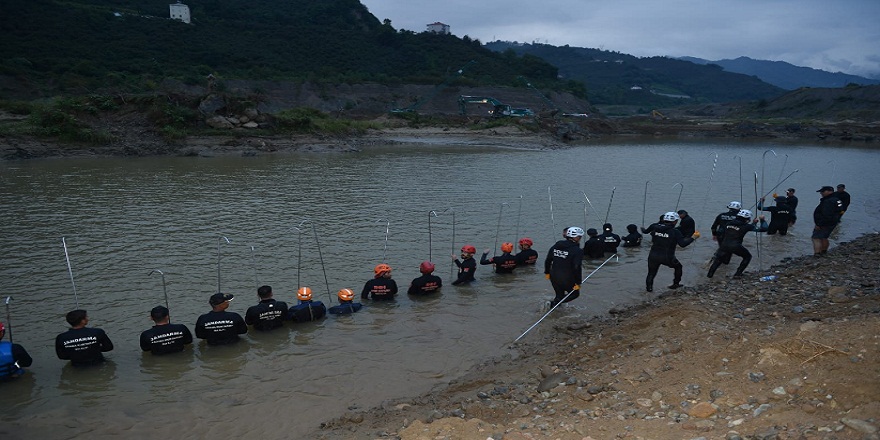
164	337
594	248
13	358
504	263
269	314
526	255
826	216
218	326
610	240
634	238
381	287
664	239
82	345
466	266
563	266
307	310
733	243
780	215
687	226
346	305
426	284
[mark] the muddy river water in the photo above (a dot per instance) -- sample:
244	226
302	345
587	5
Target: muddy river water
123	218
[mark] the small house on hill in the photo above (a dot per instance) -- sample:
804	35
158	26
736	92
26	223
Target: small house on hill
180	11
438	28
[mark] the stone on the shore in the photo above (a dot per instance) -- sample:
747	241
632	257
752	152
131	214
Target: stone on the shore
702	410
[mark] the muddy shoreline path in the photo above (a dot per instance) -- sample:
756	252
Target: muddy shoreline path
793	358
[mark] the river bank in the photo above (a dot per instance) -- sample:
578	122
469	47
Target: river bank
793	358
132	139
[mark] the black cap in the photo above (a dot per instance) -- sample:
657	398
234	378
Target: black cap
825	188
606	226
220	298
840	185
682	212
791	190
592	232
780	199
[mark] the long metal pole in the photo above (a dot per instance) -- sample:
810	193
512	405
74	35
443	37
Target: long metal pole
763	156
552	220
387	227
164	288
518	216
321	256
9	318
777	185
498	228
452	263
254	264
430	238
299	254
70	271
609	205
644	202
564	298
758	235
219	241
677	202
591	206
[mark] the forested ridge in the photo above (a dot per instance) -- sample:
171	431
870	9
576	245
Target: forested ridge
75	45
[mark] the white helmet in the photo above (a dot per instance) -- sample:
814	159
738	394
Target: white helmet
671	217
574	232
744	213
734	205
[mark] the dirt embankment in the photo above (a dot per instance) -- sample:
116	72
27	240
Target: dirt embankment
793	358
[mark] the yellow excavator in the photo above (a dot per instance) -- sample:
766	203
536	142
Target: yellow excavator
657	115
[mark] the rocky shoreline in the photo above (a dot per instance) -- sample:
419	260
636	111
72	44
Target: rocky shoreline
793	358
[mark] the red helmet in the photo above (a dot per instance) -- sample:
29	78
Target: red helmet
506	247
469	249
525	241
426	267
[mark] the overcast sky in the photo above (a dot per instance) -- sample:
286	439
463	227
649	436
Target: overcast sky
832	35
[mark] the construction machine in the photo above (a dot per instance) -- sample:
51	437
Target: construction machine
499	109
412	108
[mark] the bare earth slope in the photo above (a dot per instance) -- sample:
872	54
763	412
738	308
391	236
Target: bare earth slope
794	358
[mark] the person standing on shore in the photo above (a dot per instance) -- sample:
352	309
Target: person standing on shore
844	198
825	217
563	266
526	255
82	345
664	239
792	201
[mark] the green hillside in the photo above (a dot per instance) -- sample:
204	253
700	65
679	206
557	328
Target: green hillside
616	78
84	45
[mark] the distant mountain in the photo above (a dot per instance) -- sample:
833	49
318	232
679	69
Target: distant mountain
785	75
616	78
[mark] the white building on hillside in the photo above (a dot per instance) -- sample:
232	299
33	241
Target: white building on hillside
180	11
438	28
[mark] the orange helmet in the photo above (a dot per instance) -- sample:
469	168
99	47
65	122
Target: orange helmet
525	241
304	293
345	294
426	267
506	247
381	269
469	249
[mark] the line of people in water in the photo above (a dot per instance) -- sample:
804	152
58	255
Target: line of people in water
83	345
